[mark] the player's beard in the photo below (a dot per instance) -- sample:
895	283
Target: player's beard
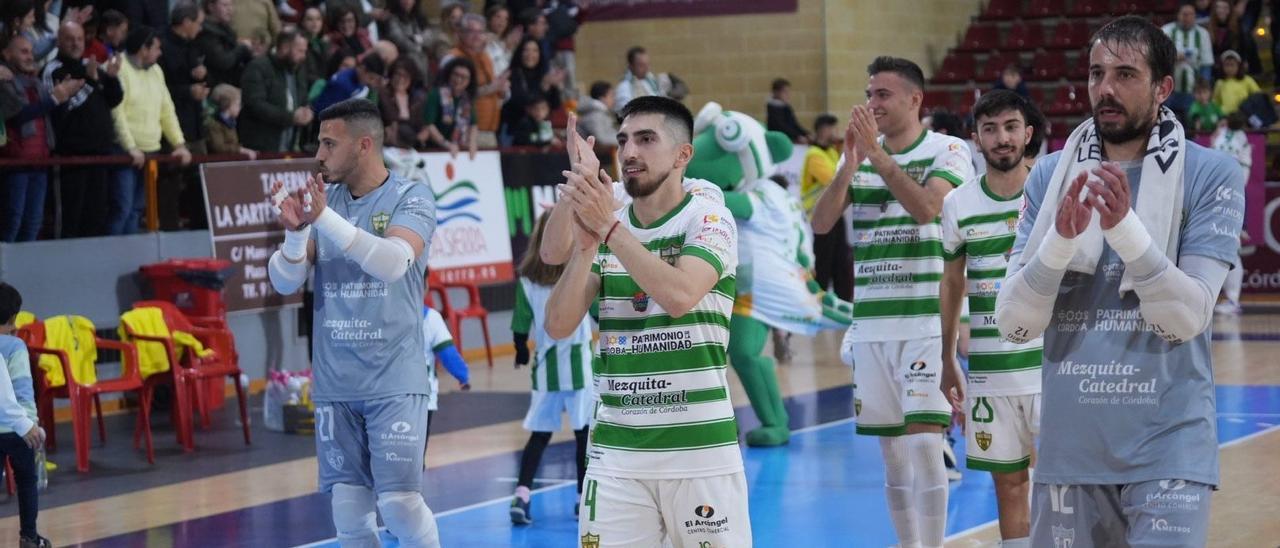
638	188
1136	124
1004	161
335	174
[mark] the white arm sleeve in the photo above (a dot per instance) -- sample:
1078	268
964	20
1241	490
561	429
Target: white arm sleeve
386	259
286	277
1024	306
1177	301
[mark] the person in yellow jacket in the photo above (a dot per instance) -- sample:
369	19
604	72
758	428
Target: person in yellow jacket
831	251
141	118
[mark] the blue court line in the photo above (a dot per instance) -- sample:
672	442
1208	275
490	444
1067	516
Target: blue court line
825	488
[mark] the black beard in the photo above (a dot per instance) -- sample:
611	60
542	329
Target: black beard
637	189
1002	164
1134	126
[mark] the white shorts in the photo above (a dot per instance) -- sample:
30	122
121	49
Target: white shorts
708	512
1001	431
545	409
898	382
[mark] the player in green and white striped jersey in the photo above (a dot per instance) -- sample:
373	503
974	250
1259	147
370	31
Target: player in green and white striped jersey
664	458
979	223
561	373
895	173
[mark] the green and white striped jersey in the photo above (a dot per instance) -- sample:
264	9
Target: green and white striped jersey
664	408
897	262
980	226
560	364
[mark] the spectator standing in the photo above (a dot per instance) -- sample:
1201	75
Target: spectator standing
346	34
1228	33
639	81
146	113
224	55
402	106
84	188
360	82
450	108
534	23
406	28
275	97
1195	50
144	13
491	87
831	251
780	116
595	115
220	126
182	62
256	21
503	37
29	137
113	27
319	49
1235	86
531	78
563	19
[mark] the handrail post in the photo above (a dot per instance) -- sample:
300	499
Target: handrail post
151	173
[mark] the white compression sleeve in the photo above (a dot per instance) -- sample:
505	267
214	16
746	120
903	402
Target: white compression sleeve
355	516
286	276
409	519
386	259
1177	301
899	487
1024	305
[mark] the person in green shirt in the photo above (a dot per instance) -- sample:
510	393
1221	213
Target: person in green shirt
1204	114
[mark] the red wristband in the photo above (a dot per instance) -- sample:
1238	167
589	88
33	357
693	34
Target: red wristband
610	232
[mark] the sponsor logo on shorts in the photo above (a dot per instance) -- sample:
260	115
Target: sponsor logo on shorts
983	439
1063	537
590	541
918	366
707	522
334	458
400	427
1162	525
1173	485
392	457
399	434
1171	496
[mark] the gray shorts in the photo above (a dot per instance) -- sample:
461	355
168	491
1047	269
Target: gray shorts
1165	513
375	443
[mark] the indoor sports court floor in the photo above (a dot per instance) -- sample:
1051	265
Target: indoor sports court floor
824	489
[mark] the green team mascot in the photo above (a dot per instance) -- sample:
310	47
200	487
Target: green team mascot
775	289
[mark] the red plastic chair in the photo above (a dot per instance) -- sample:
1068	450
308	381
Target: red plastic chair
1002	9
82	395
980	37
1070	34
935	99
1049	65
188	373
454	315
957	68
996	62
1090	8
1025	36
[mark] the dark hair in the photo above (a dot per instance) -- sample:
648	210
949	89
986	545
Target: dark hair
1236	121
905	68
287	35
600	88
12	12
529	16
7	40
442	79
414	14
407	65
183	12
1201	83
517	57
140	36
358	113
1139	33
10	302
536	99
824	120
632	53
946	122
335	61
779	84
374	63
1001	100
111	19
337	13
674	113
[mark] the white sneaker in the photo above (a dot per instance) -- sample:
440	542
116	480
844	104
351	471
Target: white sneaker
1227	308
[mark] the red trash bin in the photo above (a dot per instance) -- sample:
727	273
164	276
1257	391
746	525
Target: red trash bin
195	286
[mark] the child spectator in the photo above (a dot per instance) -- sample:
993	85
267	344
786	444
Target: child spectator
220	126
1233	142
562	380
18	414
440	350
1235	86
534	129
1204	114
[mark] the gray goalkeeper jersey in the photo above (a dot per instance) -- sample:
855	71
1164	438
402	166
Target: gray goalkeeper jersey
1120	404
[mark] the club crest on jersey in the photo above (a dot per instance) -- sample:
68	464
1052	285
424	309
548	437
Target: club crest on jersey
983	439
380	221
917	172
590	541
670	254
640	301
1012	223
334	458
